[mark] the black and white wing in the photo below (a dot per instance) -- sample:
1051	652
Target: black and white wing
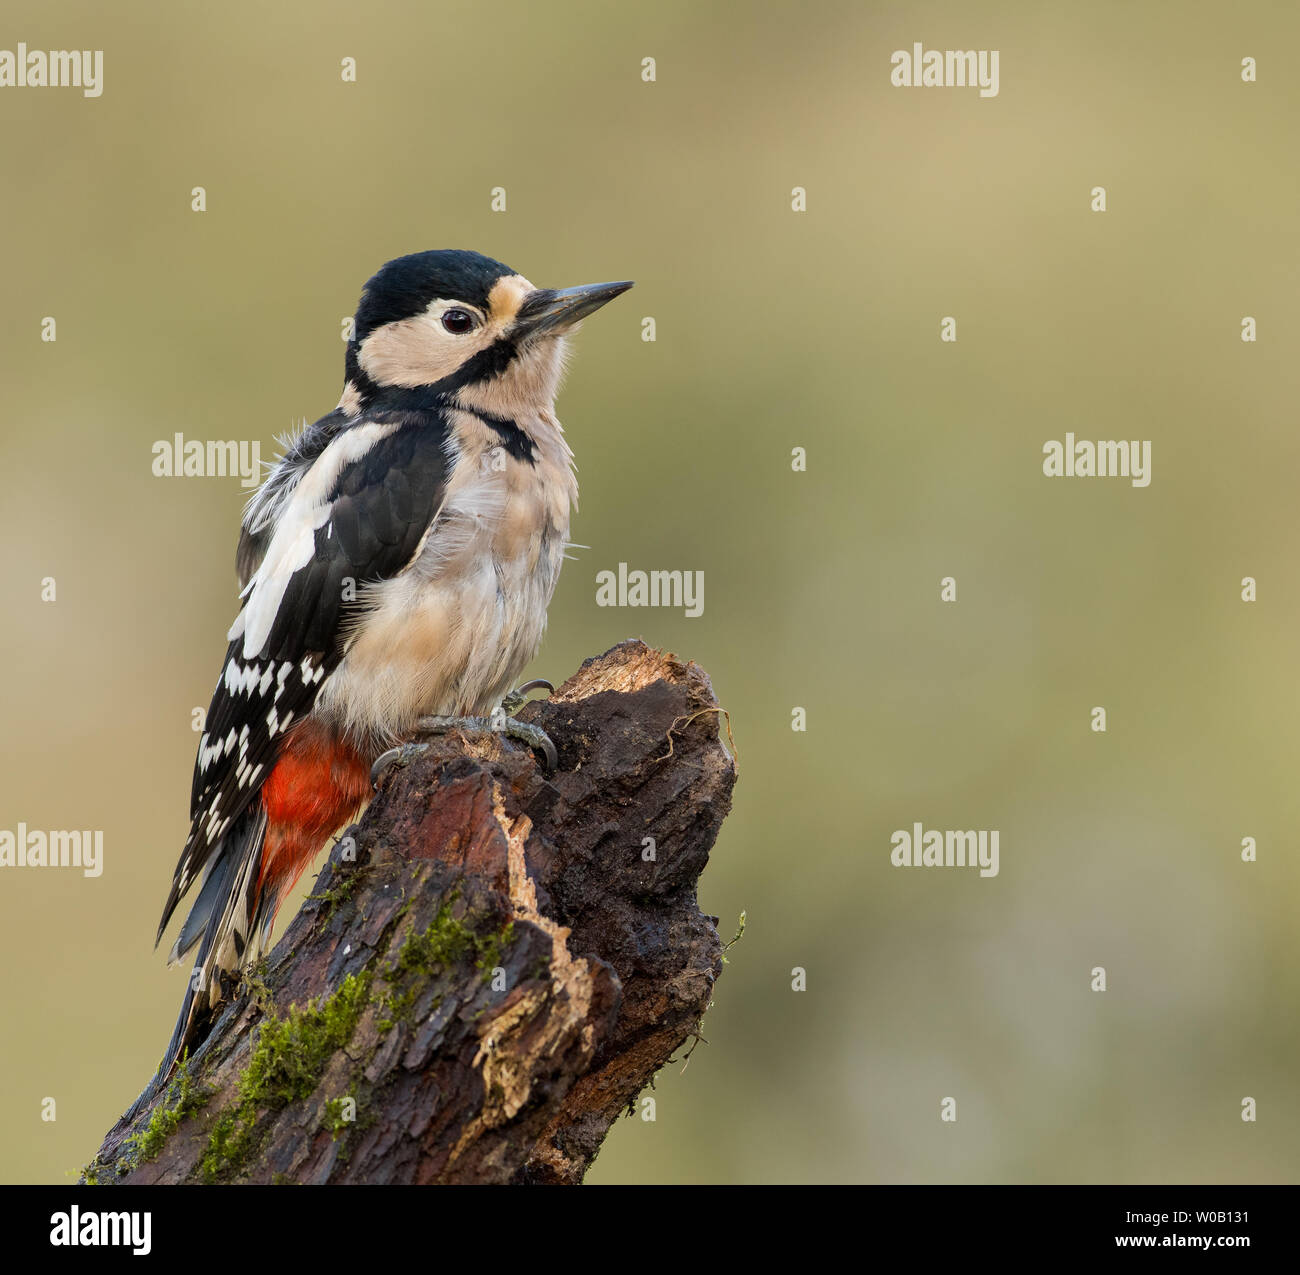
358	514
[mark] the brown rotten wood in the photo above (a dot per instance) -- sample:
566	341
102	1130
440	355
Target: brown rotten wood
492	965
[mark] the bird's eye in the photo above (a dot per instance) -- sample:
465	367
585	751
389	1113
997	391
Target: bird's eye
457	322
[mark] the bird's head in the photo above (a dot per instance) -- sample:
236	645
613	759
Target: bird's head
459	324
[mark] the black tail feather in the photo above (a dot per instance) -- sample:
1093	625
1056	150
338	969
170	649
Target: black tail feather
220	922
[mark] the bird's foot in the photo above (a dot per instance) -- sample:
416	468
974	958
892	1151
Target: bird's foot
499	723
517	698
507	723
402	755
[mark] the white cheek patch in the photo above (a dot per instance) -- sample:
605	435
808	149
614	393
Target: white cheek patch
419	351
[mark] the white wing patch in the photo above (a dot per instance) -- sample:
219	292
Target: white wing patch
294	541
241	679
231	752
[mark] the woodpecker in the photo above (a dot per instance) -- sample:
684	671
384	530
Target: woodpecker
395	566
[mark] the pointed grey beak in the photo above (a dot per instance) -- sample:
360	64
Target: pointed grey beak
552	310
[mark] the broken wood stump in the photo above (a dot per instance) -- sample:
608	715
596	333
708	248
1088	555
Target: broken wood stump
494	961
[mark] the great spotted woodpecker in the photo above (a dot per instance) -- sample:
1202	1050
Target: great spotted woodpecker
396	567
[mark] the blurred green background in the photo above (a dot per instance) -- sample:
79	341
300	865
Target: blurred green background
775	330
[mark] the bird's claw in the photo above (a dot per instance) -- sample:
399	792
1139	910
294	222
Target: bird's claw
403	753
517	698
535	737
502	721
499	723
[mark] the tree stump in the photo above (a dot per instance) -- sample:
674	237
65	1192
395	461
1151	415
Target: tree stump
493	964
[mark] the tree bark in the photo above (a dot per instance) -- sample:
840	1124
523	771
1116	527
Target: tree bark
494	962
